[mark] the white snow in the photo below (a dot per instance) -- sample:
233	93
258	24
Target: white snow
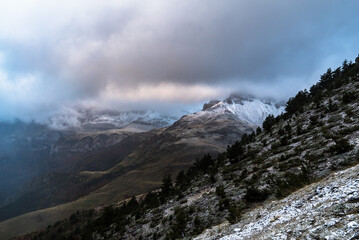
85	119
252	111
321	210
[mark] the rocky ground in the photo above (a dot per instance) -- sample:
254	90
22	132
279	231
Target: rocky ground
328	209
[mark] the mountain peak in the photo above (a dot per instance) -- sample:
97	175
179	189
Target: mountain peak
245	108
210	104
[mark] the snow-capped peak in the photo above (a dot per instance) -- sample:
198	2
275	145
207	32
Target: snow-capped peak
251	110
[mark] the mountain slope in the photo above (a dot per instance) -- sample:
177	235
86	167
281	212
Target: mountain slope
328	209
318	135
38	161
247	109
32	149
139	167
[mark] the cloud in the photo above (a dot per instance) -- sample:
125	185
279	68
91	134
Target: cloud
130	52
162	92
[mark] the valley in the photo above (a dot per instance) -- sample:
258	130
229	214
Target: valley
105	166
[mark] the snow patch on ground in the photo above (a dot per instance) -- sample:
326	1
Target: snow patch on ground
325	210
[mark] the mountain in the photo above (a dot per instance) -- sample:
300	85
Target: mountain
247	109
294	179
63	143
223	122
83	163
91	120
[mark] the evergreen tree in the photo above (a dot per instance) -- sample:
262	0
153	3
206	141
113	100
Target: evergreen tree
181	179
296	103
167	186
268	123
235	151
345	65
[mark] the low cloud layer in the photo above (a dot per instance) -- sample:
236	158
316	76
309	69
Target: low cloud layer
134	54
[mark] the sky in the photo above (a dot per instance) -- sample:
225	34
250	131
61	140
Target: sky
163	54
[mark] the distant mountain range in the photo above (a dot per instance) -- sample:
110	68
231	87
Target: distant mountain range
99	120
113	150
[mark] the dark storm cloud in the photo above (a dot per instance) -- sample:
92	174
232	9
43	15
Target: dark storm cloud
144	51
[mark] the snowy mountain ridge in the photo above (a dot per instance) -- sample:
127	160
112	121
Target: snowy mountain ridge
246	109
92	120
249	110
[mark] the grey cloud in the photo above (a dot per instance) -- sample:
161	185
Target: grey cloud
193	42
231	44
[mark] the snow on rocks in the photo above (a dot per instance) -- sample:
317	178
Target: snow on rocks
325	210
252	111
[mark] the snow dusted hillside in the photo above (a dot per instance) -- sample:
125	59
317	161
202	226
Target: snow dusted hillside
324	210
249	110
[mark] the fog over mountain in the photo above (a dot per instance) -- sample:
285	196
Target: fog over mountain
164	55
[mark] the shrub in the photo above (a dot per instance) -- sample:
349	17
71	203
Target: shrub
281	132
234	213
223	203
349	113
313	120
204	163
348	97
288	129
332	107
299	130
256	195
289	183
179	225
284	141
73	218
342	145
198	227
220	191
